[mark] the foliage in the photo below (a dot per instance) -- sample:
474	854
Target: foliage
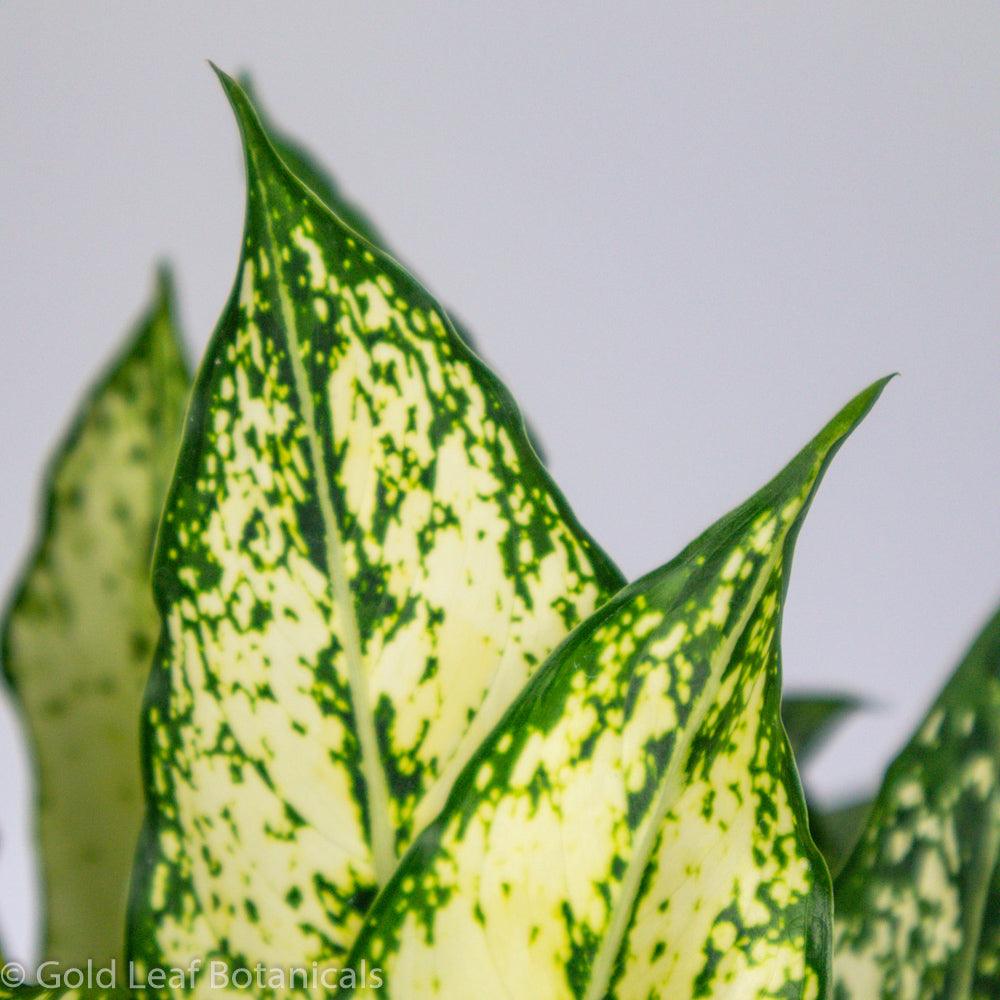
404	714
918	902
79	632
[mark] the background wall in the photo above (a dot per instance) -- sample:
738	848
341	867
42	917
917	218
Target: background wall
684	235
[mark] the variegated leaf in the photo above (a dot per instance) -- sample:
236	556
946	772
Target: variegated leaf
360	565
79	635
810	718
918	911
308	170
634	827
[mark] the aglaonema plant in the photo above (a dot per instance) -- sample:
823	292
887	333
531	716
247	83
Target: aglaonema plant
407	732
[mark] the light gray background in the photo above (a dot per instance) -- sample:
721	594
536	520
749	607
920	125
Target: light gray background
684	235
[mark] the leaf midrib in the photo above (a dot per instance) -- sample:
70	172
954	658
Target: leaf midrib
380	824
621	914
986	861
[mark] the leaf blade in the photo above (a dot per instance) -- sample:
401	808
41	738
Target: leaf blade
356	506
569	859
913	900
79	632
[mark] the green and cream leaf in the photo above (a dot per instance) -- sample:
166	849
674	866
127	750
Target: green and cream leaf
918	911
79	634
634	826
361	563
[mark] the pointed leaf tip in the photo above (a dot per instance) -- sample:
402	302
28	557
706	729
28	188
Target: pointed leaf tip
847	419
792	489
164	288
819	453
255	138
220	73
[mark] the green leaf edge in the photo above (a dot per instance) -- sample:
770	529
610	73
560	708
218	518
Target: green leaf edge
307	168
837	830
